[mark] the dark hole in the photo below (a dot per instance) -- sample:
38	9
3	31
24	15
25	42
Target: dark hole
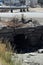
24	45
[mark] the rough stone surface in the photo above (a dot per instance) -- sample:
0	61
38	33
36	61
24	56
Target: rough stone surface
33	58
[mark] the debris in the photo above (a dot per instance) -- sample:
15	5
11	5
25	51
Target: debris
40	51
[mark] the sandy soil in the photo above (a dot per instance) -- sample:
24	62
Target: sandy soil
36	9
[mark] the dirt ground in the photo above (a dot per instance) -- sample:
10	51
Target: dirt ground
30	10
32	58
36	9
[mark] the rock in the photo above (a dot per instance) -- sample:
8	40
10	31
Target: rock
34	63
32	54
40	51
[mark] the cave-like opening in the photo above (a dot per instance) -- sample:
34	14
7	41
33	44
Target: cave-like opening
25	43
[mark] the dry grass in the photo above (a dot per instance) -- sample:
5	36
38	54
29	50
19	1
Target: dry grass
2	47
6	56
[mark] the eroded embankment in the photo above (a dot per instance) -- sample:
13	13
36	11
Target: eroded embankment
23	37
28	41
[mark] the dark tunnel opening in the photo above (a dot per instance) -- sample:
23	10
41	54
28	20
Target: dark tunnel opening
23	43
